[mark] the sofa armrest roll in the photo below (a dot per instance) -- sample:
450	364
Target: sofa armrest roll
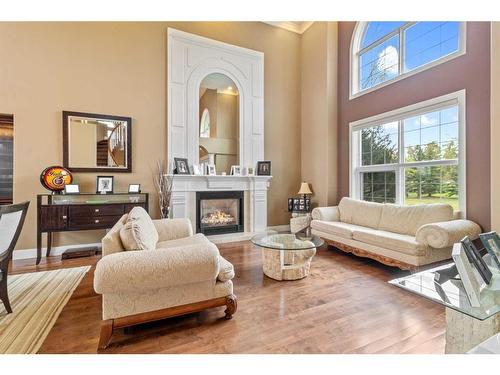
135	271
446	233
326	213
172	229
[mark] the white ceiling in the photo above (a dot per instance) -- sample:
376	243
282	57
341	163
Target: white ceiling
296	26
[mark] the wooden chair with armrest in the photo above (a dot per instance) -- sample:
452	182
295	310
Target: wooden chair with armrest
11	223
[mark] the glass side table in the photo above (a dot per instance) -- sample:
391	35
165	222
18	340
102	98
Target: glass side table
466	326
286	255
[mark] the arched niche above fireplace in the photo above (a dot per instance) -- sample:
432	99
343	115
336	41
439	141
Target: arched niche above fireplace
191	59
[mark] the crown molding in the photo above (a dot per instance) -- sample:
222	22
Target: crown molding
298	27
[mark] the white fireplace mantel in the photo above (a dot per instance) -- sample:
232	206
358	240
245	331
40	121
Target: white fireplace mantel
190	59
184	188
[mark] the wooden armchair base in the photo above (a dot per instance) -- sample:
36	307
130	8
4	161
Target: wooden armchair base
107	326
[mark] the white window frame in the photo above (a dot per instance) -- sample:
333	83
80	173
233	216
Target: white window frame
434	104
356	51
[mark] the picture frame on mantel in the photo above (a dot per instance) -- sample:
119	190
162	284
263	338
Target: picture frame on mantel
181	166
211	170
264	168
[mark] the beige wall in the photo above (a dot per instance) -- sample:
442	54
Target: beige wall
120	69
82	144
495	126
319	111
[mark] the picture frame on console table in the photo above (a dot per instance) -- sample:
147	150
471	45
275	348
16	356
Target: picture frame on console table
72	189
134	188
104	184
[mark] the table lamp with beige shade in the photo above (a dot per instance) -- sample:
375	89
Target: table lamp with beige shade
305	190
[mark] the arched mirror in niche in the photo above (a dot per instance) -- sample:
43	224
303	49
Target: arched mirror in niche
219	122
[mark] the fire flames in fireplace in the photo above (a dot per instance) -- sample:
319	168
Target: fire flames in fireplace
218	217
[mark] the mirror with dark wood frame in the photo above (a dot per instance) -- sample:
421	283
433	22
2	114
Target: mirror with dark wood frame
97	143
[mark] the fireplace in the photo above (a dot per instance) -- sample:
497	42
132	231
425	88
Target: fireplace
219	212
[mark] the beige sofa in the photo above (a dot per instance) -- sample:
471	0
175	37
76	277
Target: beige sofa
179	273
402	236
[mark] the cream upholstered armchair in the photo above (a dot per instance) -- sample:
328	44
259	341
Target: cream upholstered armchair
154	269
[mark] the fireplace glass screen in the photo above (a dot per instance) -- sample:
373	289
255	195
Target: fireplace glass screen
219	212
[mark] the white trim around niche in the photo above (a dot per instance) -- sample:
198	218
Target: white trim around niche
190	59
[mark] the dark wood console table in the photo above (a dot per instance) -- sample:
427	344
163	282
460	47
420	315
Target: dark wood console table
64	213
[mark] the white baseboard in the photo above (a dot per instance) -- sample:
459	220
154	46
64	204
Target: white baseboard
217	239
56	251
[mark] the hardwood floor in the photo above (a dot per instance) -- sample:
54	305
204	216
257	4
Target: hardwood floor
344	306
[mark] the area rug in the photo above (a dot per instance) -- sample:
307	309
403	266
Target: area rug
37	300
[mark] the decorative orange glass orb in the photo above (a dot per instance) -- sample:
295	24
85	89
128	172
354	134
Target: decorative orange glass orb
55	178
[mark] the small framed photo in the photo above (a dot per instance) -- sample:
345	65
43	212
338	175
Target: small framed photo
263	168
104	184
491	242
471	283
476	259
250	171
211	170
196	170
235	170
72	189
134	188
181	166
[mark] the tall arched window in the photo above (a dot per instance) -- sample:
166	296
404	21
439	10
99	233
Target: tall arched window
205	124
382	52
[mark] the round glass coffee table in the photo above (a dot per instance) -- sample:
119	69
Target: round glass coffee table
286	255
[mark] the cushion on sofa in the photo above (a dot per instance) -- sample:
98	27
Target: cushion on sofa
111	242
336	228
366	214
198	238
393	241
226	270
139	232
407	219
